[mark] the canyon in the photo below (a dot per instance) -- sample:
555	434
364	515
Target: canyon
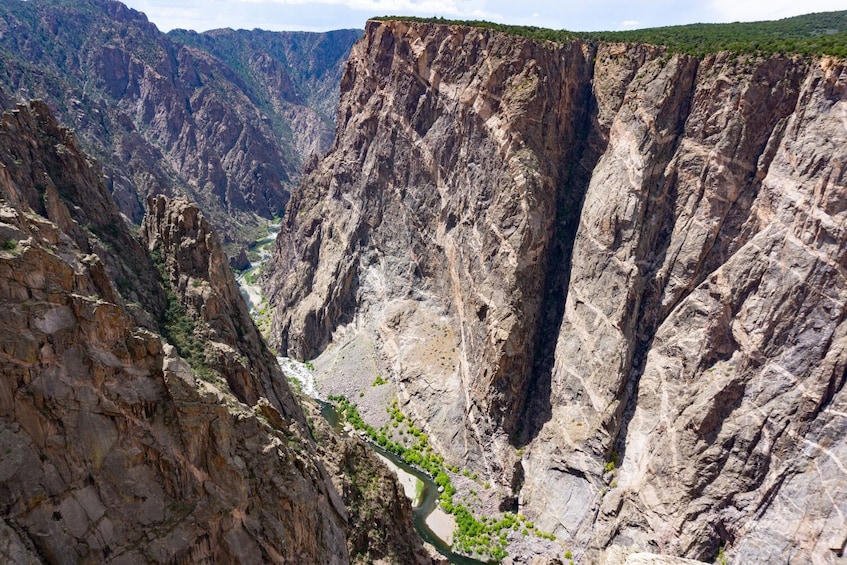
142	417
226	117
608	278
595	289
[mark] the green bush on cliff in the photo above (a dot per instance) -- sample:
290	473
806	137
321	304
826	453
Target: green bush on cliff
179	327
812	34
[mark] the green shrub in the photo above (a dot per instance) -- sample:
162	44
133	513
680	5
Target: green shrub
813	34
179	328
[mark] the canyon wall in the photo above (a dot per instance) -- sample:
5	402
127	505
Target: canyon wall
142	417
227	118
607	277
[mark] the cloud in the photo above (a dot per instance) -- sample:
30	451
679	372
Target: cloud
455	8
630	24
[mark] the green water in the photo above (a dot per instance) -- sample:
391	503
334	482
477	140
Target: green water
429	495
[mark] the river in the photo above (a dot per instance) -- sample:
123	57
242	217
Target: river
428	499
428	503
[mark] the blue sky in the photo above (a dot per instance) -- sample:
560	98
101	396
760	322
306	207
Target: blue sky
581	15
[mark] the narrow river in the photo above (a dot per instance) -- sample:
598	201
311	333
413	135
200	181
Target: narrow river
252	293
428	499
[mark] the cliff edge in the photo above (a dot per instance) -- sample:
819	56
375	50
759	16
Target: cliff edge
142	417
609	278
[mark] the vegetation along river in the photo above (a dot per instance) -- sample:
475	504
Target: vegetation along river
427	501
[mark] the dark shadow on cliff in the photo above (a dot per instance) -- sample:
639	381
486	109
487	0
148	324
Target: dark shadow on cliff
576	166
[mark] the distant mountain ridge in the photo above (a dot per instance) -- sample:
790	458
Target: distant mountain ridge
170	113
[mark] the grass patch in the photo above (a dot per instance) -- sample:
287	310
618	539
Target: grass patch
251	276
379	381
419	486
179	328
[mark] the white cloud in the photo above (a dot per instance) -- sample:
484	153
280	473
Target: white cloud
455	8
595	15
754	10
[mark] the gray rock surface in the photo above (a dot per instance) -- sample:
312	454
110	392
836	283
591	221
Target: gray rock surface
630	264
225	117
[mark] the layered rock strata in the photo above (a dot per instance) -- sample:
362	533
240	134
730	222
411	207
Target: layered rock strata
628	264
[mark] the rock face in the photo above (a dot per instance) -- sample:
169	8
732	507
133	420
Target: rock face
199	278
627	263
228	127
295	75
378	527
395	215
112	446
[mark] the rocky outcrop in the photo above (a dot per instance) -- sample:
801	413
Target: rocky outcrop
240	261
163	116
115	446
380	515
44	171
198	275
628	263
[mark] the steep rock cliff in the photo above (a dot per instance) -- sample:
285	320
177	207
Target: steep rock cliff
295	75
163	116
432	210
628	262
378	519
112	446
198	276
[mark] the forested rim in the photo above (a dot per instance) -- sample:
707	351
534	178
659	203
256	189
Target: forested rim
823	33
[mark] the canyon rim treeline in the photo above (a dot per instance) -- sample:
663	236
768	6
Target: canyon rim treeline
609	278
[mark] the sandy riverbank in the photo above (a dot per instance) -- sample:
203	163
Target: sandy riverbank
408	481
442	524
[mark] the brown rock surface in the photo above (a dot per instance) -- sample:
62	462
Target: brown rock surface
199	276
112	447
603	253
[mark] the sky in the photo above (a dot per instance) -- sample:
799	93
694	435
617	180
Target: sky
574	15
